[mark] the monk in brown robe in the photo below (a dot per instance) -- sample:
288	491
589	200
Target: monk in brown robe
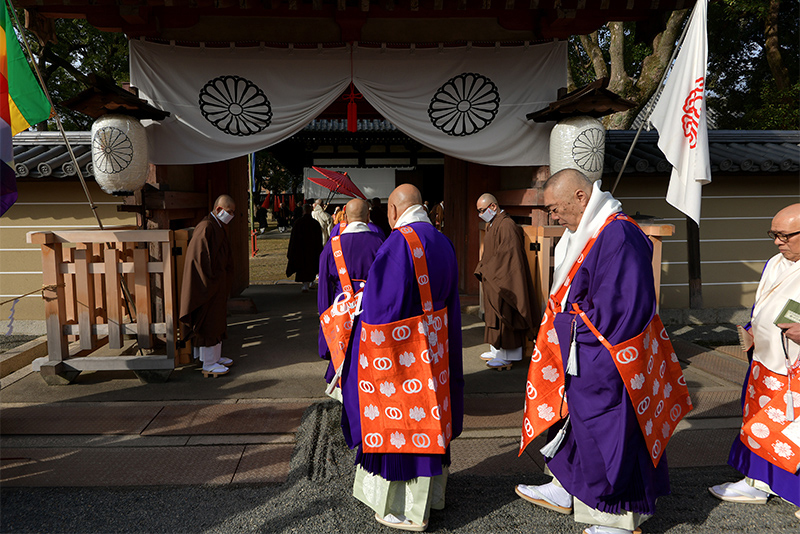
207	278
507	288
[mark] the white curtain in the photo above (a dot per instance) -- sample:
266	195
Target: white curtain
227	102
469	103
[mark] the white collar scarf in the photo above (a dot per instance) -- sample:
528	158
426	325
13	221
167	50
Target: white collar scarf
601	205
780	282
356	227
415	213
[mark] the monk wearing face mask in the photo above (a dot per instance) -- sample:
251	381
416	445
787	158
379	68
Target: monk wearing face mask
207	277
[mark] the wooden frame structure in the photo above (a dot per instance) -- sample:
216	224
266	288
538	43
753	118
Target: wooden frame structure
542	240
86	275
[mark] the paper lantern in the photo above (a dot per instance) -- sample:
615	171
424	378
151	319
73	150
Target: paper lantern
119	154
578	143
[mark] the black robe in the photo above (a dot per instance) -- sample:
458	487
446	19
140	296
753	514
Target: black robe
305	246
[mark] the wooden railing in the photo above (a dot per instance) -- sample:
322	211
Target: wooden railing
544	238
103	287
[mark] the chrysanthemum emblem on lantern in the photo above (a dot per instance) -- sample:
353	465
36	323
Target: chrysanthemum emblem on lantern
119	154
578	143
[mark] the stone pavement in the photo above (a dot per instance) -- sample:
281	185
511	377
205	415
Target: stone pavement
108	430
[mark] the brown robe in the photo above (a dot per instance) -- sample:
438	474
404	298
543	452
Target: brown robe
509	311
305	246
207	278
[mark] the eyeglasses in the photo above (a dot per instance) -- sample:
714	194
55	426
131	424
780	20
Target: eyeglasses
781	236
481	210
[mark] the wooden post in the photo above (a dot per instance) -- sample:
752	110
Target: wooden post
693	249
170	313
113	298
71	316
54	308
99	283
84	287
142	292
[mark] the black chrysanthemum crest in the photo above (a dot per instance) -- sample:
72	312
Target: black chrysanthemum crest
235	105
114	150
465	105
587	149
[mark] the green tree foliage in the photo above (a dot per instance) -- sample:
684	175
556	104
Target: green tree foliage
80	50
273	175
744	91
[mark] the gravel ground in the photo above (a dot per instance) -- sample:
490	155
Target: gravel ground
269	264
316	498
9	342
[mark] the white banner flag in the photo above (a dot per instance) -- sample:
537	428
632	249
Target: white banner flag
680	117
469	103
227	102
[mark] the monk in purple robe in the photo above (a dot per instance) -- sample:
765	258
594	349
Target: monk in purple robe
402	488
337	228
602	469
773	347
359	246
207	278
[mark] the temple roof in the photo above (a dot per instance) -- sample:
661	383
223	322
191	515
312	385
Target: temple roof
340	21
43	154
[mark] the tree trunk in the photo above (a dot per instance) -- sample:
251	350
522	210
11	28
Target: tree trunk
772	47
592	49
653	68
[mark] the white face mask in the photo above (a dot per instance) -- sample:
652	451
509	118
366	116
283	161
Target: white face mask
488	215
224	217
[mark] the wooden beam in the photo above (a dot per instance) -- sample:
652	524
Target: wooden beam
693	253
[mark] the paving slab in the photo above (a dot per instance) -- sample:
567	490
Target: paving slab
264	464
126	466
233	419
76	419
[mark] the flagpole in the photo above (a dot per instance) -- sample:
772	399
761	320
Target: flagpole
56	116
657	95
130	305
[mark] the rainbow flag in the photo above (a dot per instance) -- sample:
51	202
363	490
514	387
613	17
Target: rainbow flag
22	104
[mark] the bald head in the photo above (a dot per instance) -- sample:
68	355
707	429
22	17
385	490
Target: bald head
566	195
357	210
224	208
785	223
226	202
402	198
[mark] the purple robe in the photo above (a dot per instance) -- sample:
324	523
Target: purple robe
392	294
372	226
604	461
359	250
782	482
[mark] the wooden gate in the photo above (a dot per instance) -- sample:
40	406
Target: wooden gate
107	287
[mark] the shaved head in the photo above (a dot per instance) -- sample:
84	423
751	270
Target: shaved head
357	210
786	222
485	200
225	202
565	196
402	198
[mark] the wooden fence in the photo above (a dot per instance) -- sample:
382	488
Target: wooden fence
103	287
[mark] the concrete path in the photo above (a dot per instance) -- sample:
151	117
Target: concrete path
242	441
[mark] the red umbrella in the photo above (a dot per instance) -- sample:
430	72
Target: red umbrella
337	182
